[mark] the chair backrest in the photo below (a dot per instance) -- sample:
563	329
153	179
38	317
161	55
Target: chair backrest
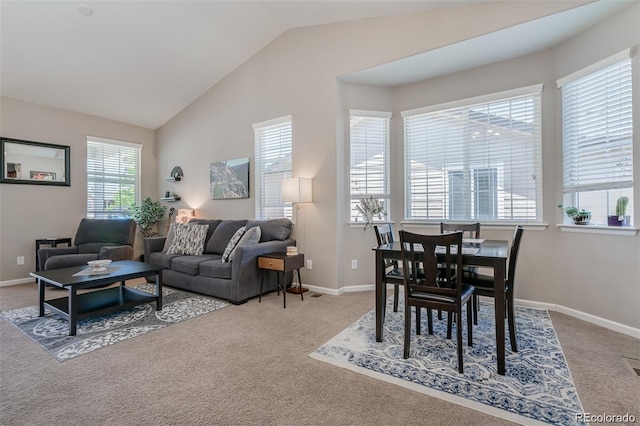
96	233
513	254
384	234
424	271
472	228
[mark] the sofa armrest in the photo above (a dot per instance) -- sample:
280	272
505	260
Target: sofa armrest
46	253
116	252
152	245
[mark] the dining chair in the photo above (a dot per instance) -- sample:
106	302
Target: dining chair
432	284
393	273
484	285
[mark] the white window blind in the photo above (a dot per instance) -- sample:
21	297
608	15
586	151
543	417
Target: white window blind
478	160
369	159
113	178
597	130
273	163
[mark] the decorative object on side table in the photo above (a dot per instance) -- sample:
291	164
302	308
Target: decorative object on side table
147	214
370	207
579	216
621	218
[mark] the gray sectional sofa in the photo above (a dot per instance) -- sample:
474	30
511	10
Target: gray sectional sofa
237	280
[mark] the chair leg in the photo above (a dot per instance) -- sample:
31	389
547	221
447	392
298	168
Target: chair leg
476	308
429	321
395	297
459	338
512	323
407	330
418	320
449	324
469	323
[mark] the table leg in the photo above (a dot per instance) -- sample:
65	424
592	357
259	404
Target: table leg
72	311
284	289
300	284
499	293
41	286
262	272
159	291
380	295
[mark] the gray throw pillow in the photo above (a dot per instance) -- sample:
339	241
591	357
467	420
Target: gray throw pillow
232	243
171	234
273	229
221	236
251	236
188	239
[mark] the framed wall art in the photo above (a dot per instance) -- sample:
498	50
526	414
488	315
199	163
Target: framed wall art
229	179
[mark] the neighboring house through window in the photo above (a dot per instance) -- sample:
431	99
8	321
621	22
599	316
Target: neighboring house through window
475	160
597	137
273	163
113	177
369	160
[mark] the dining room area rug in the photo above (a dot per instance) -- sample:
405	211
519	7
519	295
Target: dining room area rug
52	332
536	389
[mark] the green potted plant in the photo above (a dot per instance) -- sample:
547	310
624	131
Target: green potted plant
146	215
579	216
621	218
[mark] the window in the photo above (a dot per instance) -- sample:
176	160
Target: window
113	178
597	137
477	159
369	159
273	163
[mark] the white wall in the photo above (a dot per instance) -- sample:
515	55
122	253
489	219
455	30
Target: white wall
30	212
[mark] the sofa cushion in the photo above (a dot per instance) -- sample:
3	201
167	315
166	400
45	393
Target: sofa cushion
216	269
221	236
213	224
232	243
189	239
190	264
161	259
272	229
251	236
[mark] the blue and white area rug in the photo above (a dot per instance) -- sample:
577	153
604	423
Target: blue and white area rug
52	332
536	389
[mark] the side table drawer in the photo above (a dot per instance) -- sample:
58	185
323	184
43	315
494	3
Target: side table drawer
270	263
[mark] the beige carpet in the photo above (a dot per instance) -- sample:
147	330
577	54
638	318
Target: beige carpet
249	364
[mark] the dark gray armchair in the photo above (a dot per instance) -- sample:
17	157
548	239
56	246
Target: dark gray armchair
95	239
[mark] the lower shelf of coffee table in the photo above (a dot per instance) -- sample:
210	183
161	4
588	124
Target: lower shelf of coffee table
100	302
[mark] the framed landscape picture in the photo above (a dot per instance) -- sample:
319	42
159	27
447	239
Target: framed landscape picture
229	179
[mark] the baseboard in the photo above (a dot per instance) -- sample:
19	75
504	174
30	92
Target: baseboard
16	282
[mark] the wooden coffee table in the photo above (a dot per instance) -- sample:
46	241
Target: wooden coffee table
76	306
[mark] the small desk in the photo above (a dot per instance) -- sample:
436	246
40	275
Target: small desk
492	254
281	262
53	242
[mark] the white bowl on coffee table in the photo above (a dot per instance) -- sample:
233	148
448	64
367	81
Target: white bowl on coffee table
99	265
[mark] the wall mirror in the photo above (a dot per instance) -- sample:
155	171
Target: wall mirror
34	163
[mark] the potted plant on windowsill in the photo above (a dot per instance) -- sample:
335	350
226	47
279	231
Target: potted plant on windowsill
579	216
370	207
621	218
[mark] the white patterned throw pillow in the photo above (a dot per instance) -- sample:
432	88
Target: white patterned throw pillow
188	239
232	243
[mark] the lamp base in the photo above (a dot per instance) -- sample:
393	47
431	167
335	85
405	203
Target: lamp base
297	290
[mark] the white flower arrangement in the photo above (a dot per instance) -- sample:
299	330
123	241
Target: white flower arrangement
370	207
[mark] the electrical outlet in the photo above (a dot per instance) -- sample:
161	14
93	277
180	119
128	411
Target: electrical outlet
354	264
20	260
309	264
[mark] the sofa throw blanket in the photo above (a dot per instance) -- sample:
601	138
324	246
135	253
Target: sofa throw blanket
188	239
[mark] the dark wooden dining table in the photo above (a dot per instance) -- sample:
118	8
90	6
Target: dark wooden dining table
491	253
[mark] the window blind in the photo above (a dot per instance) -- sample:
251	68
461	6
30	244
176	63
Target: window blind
475	161
597	130
369	158
113	178
273	148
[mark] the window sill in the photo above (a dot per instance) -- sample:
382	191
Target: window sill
361	224
624	231
495	226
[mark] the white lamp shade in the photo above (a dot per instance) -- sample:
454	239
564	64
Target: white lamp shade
297	190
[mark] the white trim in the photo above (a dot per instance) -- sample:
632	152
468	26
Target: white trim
512	93
272	122
98	139
16	282
366	113
622	231
617	57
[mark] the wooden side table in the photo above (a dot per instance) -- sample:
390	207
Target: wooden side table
53	242
281	262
